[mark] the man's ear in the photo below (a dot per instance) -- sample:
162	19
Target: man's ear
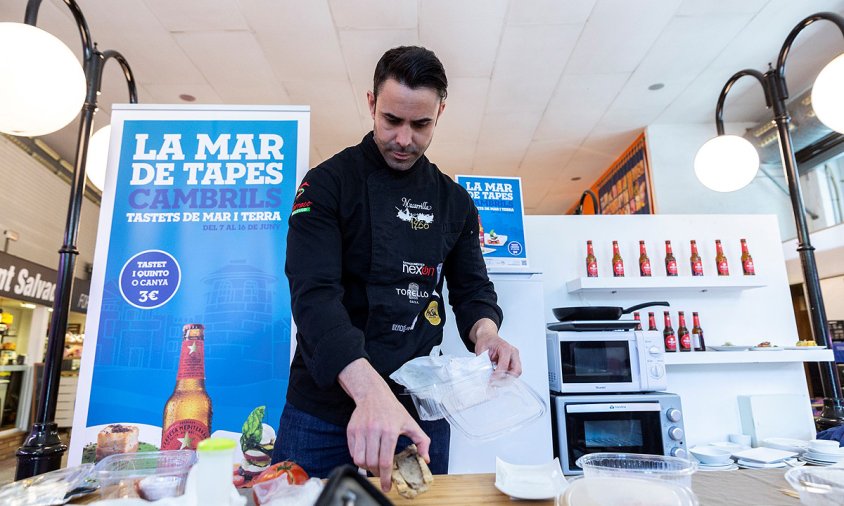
370	98
440	113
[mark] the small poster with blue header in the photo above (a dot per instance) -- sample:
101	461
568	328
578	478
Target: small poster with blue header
189	324
501	219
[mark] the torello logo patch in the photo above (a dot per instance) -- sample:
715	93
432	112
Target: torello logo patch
413	293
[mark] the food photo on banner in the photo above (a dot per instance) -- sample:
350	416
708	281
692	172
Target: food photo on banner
501	220
190	325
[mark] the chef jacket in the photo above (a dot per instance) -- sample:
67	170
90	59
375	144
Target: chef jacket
367	250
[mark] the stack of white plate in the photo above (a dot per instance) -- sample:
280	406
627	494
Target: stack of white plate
819	458
763	458
788	444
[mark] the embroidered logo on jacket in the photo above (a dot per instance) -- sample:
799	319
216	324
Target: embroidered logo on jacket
413	214
301	190
432	313
418	269
413	293
301	207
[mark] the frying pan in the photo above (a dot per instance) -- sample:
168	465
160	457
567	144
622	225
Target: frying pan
565	314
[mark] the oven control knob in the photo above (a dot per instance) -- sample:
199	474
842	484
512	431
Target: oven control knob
657	371
674	414
675	433
653	350
679	452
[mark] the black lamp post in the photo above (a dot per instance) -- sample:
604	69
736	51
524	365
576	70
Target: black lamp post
42	449
776	92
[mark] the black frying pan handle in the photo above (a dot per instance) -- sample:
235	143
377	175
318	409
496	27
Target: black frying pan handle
644	305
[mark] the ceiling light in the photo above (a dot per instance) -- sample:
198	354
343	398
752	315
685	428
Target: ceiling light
726	163
576	178
27	305
43	85
656	86
187	98
827	100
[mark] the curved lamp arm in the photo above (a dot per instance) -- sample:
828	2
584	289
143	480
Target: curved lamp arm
595	205
719	109
786	46
127	73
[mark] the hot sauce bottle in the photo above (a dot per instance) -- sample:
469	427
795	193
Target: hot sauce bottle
670	261
697	334
668	334
683	336
746	260
721	260
617	261
591	261
651	321
638	320
696	263
644	261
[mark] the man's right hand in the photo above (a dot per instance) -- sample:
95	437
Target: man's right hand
377	421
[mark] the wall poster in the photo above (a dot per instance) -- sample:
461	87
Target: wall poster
625	187
501	216
189	324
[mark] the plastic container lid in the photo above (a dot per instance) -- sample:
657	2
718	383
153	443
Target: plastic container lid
619	491
482	406
635	465
119	475
817	486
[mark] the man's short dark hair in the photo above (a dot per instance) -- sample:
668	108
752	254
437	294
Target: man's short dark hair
412	66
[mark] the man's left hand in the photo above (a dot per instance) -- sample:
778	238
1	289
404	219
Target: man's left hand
485	335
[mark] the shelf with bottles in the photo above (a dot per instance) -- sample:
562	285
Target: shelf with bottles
669	283
747	357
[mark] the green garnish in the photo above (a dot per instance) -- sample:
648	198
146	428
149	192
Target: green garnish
250	436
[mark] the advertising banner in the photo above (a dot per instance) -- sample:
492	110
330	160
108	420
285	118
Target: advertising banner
501	214
189	323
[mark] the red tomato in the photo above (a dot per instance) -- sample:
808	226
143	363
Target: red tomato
292	471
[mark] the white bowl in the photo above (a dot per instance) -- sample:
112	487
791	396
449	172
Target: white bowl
711	455
618	491
824	445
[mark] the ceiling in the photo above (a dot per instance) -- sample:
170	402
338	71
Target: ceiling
548	90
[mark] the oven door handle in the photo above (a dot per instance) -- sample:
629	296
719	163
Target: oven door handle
612	407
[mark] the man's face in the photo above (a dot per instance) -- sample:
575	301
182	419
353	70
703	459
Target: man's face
404	121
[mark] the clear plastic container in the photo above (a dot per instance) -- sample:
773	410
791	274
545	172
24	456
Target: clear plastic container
818	486
484	405
634	465
55	487
625	491
148	475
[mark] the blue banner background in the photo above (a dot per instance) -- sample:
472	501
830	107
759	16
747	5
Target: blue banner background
232	281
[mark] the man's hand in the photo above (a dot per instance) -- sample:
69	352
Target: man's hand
485	336
377	422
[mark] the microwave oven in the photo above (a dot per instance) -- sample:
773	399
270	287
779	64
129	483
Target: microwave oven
649	423
606	361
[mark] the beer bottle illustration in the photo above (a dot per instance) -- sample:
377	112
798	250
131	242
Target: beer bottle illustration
187	413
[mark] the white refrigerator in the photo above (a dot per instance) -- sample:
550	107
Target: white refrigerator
520	296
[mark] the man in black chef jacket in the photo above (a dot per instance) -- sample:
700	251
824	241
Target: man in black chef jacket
373	232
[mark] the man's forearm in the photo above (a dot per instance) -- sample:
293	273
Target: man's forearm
361	381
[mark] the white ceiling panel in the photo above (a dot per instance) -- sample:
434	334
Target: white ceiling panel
553	12
578	104
531	59
719	7
451	157
235	65
281	26
544	89
464	110
198	15
467	38
382	14
618	35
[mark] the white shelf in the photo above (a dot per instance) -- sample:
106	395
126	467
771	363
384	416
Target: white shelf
664	283
748	357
